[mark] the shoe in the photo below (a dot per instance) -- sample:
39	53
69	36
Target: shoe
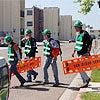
84	86
35	76
22	84
28	80
55	85
88	81
44	83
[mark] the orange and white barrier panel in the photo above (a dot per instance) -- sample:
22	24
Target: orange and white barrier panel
81	64
29	64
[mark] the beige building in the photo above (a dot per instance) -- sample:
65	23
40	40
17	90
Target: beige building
12	18
34	21
51	20
65	27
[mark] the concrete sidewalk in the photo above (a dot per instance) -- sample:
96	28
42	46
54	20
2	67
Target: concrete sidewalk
93	87
73	92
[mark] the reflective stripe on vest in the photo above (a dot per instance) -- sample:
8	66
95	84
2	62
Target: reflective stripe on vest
79	41
10	54
27	47
47	49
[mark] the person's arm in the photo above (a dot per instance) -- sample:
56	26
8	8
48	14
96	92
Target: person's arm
73	53
17	51
87	40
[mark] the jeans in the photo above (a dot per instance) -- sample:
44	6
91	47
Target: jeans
84	75
46	65
13	69
30	72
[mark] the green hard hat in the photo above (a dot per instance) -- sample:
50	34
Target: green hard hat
46	32
78	23
28	31
7	39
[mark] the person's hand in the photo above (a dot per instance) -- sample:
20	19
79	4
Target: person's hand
73	54
24	39
21	63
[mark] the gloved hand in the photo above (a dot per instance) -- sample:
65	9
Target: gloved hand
21	63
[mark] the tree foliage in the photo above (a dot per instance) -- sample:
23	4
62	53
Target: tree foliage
85	5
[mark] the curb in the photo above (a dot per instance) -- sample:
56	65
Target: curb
71	92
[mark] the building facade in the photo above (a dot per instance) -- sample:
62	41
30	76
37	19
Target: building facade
34	21
65	27
12	18
52	20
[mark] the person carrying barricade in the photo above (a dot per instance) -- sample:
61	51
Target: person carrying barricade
83	47
14	56
30	52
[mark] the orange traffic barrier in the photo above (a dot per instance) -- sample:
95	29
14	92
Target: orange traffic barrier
81	64
29	64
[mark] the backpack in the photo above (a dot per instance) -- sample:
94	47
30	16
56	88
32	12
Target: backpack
58	44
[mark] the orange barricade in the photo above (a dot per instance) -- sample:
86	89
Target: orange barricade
81	64
29	64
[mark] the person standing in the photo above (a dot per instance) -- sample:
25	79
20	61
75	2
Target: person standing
30	51
49	45
83	47
13	58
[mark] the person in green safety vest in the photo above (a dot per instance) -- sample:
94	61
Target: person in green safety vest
82	47
30	51
13	58
49	45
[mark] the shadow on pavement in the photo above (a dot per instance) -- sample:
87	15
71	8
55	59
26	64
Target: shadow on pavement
74	88
30	88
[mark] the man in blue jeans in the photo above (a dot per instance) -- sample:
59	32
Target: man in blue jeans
49	44
82	47
30	51
13	58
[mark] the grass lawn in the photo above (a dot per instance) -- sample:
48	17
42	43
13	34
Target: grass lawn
90	96
95	76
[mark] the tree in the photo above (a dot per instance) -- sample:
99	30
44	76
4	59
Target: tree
85	5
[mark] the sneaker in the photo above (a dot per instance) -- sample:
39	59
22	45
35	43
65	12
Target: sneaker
35	76
22	84
88	81
55	85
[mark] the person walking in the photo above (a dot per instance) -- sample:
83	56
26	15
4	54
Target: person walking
49	45
30	52
83	47
13	58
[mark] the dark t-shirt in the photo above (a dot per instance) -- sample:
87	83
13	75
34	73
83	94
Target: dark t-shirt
86	42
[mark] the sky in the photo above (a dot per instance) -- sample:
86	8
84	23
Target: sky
67	7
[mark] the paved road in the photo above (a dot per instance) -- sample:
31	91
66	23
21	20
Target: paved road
35	90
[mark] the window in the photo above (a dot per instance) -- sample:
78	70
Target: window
29	23
29	12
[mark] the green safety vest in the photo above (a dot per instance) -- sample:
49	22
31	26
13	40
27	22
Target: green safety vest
79	41
11	54
27	47
47	49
